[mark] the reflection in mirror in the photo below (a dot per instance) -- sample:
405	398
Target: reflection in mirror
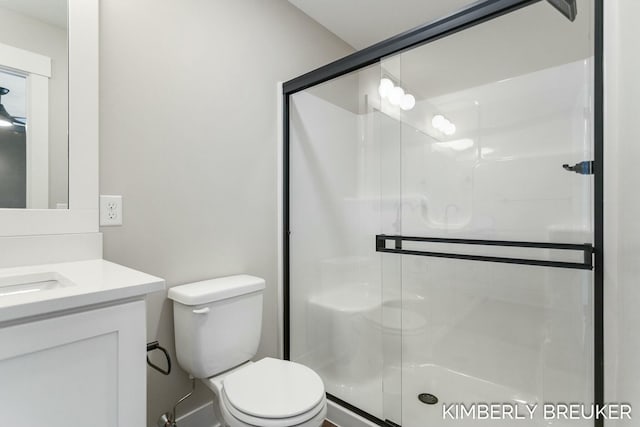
13	141
33	104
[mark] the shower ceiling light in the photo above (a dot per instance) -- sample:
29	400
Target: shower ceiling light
443	124
408	102
396	95
450	129
438	121
386	86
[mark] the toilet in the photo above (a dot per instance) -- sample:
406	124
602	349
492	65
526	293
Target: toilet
218	323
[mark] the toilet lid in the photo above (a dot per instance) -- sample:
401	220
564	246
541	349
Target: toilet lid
272	388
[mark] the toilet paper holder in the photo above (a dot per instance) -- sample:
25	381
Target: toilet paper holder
155	345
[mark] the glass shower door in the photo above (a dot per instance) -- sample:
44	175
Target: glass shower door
489	265
440	244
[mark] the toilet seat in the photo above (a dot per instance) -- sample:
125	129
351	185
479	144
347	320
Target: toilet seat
270	393
273	388
249	420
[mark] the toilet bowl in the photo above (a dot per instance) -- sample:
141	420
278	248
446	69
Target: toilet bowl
217	331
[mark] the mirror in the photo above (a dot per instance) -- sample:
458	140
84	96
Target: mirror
34	103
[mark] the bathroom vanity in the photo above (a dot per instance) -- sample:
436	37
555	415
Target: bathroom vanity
73	344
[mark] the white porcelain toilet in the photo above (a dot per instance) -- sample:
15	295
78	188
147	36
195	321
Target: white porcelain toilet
217	329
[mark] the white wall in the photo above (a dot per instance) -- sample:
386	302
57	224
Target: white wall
30	34
622	204
189	137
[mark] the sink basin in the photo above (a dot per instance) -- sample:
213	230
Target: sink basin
32	283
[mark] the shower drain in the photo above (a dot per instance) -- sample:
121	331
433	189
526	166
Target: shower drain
427	398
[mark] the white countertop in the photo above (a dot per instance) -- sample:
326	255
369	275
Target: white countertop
94	282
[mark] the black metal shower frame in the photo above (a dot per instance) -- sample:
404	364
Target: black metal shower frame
475	14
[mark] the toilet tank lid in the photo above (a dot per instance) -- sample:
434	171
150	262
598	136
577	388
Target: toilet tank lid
212	290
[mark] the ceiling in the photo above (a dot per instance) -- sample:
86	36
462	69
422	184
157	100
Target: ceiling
53	12
486	55
362	23
505	47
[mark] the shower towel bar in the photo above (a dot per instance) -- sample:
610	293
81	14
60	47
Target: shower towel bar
586	248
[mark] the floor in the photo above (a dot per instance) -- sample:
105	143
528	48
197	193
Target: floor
328	424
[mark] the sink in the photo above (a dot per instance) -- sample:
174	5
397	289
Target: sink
32	283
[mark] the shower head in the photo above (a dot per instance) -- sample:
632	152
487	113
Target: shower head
568	8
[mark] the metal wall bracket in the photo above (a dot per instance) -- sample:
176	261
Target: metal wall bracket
583	168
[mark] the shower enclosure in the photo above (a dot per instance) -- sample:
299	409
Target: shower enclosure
443	217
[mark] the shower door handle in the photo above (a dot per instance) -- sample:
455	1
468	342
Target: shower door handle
397	247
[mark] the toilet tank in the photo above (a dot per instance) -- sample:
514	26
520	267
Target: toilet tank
217	323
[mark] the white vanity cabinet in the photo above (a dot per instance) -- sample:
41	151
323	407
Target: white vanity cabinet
80	369
74	355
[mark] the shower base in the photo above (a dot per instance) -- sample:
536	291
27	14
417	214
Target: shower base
396	397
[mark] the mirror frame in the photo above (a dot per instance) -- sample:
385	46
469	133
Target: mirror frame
82	215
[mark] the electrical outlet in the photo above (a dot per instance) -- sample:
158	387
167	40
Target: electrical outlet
110	210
